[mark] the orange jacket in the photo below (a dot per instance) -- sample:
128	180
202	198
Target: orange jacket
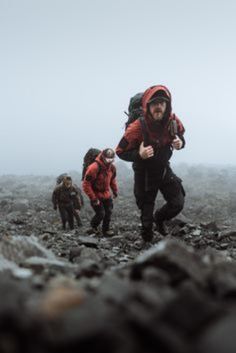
99	180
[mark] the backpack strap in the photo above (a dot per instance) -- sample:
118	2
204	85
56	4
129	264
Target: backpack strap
144	131
99	168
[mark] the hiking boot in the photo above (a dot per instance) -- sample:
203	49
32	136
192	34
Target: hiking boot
93	230
108	233
161	228
146	234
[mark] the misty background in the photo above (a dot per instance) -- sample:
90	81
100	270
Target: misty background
69	67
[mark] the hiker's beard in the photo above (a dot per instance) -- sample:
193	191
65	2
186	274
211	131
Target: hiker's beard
158	115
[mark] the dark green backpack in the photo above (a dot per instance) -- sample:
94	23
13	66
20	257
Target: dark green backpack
89	158
135	110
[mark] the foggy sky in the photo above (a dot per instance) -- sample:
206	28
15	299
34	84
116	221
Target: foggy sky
69	67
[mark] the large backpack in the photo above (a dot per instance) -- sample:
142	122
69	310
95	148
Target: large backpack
89	158
135	110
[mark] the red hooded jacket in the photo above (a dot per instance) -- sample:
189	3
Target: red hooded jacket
100	179
157	133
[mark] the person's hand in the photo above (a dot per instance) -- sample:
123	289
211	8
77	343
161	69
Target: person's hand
177	143
146	152
95	202
55	207
114	195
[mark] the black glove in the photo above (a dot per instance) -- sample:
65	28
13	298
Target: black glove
55	207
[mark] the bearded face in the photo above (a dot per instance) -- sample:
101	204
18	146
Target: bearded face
157	109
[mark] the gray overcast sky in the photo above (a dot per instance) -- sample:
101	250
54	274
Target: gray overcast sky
69	67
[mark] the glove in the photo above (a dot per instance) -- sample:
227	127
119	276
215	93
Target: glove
177	143
95	202
55	207
114	195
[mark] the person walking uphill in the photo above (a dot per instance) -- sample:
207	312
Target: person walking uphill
98	182
148	142
68	198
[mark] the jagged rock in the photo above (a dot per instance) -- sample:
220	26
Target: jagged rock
75	252
88	241
196	232
224	246
18	248
78	255
230	235
211	226
155	276
174	258
219	337
22	273
190	310
85	333
115	290
89	268
222	279
178	230
182	220
39	264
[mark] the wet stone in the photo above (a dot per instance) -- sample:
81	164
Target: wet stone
224	245
173	257
39	264
80	254
222	279
210	226
22	273
88	241
115	290
89	268
196	232
219	337
190	309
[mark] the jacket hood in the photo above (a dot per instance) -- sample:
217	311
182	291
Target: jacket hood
150	93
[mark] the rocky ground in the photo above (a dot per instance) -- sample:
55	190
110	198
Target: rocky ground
65	291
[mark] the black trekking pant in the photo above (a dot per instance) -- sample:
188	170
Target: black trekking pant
103	214
67	215
145	191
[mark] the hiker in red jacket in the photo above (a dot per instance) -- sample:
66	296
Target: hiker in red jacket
98	182
148	142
